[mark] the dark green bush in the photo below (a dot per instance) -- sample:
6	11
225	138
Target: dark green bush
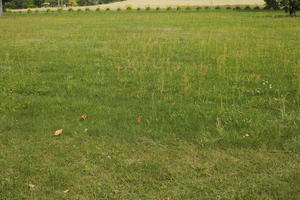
188	8
247	8
256	8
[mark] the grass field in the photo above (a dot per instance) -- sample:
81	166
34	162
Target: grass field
180	105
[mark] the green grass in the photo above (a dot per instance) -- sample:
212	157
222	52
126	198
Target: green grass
200	80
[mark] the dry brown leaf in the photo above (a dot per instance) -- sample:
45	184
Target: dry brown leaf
31	186
257	79
83	117
58	132
167	198
66	191
139	119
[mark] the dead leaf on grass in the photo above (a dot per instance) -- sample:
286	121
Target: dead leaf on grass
167	198
83	117
66	191
139	119
58	132
31	186
257	79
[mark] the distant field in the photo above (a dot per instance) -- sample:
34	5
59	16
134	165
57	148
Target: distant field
173	3
180	105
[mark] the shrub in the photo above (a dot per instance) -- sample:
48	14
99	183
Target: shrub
198	8
48	10
178	8
70	9
97	9
29	11
237	8
169	8
118	9
157	8
87	9
247	8
107	9
256	8
128	8
228	7
206	7
187	7
36	11
138	9
147	8
217	7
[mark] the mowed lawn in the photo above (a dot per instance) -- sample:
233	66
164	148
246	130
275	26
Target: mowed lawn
180	105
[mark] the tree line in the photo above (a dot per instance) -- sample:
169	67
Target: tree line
16	4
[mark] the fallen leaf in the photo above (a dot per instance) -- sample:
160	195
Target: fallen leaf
83	117
31	186
167	198
257	79
66	191
58	132
139	119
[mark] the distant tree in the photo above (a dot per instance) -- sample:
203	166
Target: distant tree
16	4
1	8
272	4
290	6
